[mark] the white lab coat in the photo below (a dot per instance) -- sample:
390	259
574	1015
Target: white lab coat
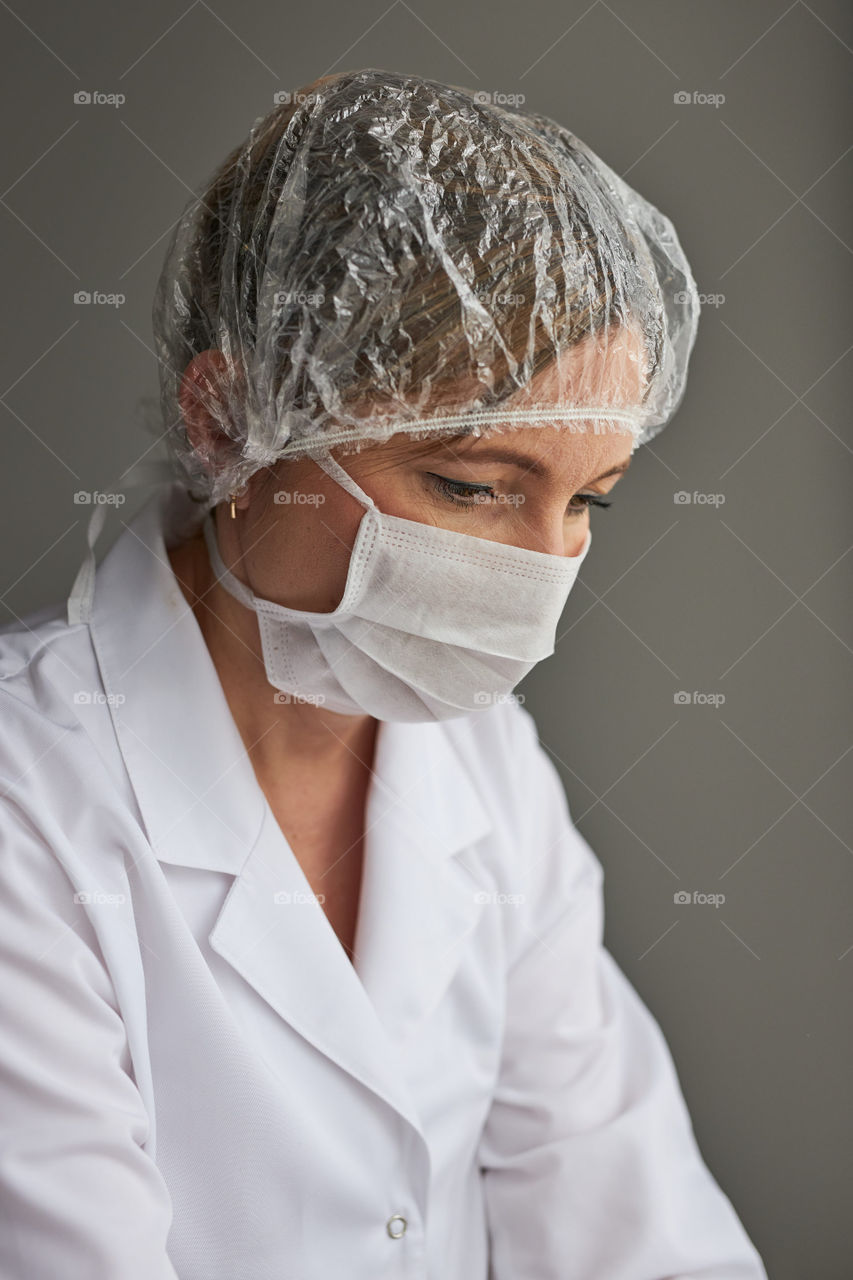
196	1082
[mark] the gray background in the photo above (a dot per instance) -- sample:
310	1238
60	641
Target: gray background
747	597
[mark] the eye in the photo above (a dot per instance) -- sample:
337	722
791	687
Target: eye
460	492
468	494
588	500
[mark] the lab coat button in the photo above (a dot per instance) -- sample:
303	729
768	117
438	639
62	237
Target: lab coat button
396	1226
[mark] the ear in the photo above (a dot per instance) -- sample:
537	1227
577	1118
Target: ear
205	398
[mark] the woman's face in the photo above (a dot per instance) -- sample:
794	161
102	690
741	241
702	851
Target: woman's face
524	486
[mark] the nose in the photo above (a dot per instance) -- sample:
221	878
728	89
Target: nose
562	537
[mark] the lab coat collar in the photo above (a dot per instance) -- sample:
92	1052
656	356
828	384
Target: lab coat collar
200	800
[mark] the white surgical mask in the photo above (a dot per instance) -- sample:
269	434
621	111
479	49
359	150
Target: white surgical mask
433	623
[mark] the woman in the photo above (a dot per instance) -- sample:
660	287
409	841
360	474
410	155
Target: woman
305	964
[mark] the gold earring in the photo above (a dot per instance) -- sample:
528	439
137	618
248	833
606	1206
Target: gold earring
232	496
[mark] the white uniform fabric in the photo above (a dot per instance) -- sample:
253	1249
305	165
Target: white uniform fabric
195	1081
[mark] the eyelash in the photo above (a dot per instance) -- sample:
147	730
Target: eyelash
452	489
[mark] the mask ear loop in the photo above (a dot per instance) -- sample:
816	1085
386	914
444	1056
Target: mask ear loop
333	468
221	572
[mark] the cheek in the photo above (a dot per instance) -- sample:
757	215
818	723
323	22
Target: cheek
324	534
300	550
400	491
397	491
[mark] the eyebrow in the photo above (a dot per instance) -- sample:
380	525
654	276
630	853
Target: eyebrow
516	458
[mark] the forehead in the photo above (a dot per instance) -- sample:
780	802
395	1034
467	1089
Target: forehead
602	370
607	368
554	453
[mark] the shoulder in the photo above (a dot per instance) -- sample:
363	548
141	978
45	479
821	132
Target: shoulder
43	659
54	727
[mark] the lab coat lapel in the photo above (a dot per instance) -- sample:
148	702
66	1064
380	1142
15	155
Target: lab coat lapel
418	904
203	808
419	898
276	935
